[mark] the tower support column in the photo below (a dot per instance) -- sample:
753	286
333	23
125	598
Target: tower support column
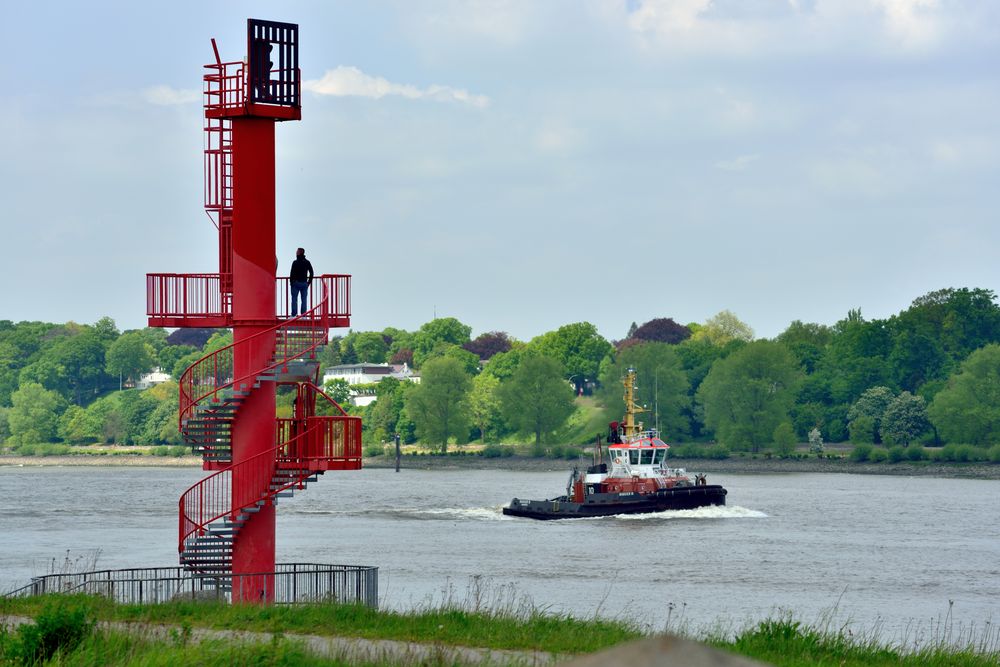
254	265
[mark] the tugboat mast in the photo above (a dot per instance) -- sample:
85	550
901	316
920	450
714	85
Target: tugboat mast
630	427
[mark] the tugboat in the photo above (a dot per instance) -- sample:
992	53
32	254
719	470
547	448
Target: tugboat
636	480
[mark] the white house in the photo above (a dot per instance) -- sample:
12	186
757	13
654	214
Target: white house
147	380
360	374
369	373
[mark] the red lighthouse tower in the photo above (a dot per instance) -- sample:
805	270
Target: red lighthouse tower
227	398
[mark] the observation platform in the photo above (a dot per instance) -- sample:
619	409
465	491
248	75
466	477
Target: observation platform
199	300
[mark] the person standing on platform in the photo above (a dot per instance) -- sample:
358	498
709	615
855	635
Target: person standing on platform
300	278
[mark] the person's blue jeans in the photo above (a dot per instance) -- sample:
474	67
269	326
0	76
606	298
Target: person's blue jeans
299	291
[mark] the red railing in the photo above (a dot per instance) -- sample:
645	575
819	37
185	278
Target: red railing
323	441
242	485
179	295
335	438
214	372
225	92
200	295
335	288
225	86
218	185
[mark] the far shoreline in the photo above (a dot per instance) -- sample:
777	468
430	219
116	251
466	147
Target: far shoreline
734	465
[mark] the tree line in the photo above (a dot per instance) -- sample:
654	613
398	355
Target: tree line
928	374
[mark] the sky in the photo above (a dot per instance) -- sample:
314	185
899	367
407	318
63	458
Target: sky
522	165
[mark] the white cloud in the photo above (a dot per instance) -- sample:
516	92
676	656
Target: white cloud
665	16
728	26
737	163
911	22
557	138
345	81
498	21
964	151
167	96
853	177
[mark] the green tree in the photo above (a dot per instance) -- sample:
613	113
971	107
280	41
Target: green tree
484	405
339	390
20	345
440	330
385	416
862	430
82	356
784	439
807	342
105	414
503	364
967	410
855	359
330	353
747	394
107	331
722	328
397	339
77	428
578	349
130	356
872	403
962	319
469	361
697	357
10	371
439	404
45	371
905	419
537	399
4	423
916	358
369	346
160	426
135	407
167	357
70	362
34	415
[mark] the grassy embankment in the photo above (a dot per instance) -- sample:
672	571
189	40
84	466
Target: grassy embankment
49	449
67	625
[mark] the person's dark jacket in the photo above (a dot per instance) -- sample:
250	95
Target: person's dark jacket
302	271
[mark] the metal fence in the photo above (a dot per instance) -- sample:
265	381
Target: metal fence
290	583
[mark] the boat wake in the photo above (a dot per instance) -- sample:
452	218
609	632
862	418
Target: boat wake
418	513
467	513
708	512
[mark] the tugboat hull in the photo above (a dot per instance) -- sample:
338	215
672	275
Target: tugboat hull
610	504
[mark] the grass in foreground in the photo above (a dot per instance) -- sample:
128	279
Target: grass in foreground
65	634
109	648
529	631
788	643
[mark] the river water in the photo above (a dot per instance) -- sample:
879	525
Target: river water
897	555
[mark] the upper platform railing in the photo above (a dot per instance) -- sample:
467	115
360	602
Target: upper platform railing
197	299
227	93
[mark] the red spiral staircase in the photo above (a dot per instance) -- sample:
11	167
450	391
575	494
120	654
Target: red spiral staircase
213	511
228	397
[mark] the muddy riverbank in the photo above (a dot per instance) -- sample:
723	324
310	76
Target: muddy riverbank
521	463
